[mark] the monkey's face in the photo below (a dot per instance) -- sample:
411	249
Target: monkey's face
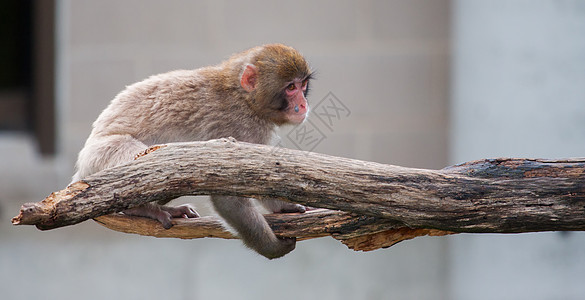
295	106
278	98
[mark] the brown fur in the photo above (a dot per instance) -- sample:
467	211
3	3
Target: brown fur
203	104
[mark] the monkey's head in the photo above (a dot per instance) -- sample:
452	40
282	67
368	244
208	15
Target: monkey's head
277	79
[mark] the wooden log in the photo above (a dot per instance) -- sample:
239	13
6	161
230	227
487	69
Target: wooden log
493	195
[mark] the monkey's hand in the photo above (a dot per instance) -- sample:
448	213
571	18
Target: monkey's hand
283	246
163	213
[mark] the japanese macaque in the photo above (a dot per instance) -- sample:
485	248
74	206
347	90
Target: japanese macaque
244	97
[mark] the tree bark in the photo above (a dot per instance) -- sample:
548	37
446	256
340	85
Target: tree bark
493	195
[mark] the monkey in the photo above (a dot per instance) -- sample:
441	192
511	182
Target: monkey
245	97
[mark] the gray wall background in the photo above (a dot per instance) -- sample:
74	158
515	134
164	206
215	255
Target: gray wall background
518	90
428	84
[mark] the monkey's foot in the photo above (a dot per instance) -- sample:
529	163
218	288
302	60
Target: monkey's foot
293	208
162	213
182	211
278	206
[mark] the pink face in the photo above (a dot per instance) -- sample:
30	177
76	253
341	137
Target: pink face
298	108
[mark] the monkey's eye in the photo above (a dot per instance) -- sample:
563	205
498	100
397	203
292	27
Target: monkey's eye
305	82
291	87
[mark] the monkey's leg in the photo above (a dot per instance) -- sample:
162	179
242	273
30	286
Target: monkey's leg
105	151
251	226
277	206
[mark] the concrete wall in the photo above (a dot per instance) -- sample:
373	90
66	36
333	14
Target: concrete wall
386	61
519	91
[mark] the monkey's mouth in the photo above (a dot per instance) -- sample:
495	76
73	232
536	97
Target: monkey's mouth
297	114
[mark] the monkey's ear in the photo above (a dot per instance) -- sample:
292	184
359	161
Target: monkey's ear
249	78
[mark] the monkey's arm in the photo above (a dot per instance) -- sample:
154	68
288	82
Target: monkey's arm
252	228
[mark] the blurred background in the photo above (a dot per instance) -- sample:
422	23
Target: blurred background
421	84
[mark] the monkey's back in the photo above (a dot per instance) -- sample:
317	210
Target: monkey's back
180	106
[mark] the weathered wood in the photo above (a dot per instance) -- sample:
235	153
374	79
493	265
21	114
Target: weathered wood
384	239
312	224
493	195
182	228
357	232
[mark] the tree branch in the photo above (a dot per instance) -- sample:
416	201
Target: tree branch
358	233
381	201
